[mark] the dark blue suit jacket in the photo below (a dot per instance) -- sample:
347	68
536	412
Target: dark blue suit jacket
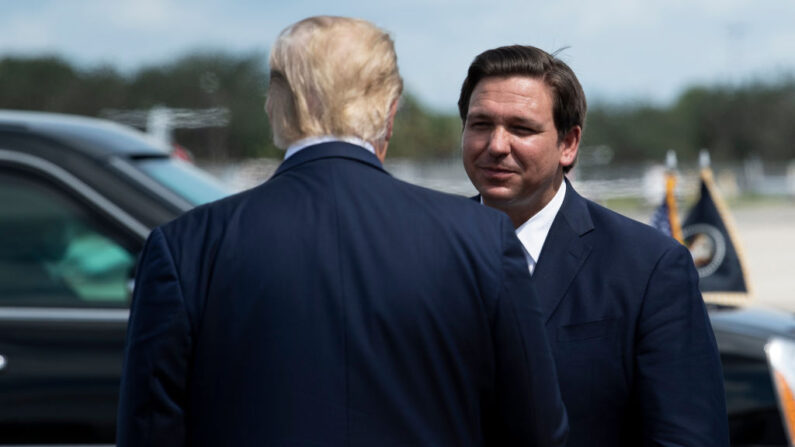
636	357
335	305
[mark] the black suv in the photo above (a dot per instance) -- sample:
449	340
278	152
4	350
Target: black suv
78	197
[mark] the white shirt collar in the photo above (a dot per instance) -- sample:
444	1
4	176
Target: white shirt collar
311	141
534	231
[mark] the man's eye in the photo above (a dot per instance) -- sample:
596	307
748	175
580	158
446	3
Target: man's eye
521	130
479	125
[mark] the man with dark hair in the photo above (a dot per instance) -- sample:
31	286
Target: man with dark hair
334	305
637	360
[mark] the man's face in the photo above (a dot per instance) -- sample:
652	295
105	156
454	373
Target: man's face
510	145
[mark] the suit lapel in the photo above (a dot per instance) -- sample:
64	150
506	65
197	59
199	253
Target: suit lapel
564	251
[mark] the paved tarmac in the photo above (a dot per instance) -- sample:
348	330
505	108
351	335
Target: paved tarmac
767	235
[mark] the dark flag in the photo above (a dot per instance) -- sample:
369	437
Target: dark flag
661	219
708	234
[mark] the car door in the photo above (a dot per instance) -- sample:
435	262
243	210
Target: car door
66	265
751	401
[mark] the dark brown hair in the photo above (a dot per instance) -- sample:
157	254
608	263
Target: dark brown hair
569	104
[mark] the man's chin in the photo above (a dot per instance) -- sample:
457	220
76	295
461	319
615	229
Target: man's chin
497	197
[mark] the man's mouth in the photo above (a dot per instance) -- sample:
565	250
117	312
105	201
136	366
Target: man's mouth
496	171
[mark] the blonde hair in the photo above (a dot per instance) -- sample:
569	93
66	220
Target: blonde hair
332	76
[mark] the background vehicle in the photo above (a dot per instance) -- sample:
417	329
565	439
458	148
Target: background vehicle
78	198
756	414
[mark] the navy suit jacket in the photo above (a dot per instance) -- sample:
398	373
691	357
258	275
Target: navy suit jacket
636	356
336	305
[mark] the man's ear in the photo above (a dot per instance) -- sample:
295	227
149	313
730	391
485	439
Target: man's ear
380	149
569	146
391	118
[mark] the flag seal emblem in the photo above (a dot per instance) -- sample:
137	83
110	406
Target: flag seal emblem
707	245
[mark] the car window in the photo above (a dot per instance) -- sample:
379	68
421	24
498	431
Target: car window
55	252
189	182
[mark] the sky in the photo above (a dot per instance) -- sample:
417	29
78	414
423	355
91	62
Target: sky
621	50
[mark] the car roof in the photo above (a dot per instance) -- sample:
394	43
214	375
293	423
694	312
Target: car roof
92	136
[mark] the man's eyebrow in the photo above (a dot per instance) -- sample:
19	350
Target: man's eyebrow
478	114
521	120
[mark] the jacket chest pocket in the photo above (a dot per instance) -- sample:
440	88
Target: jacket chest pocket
590	330
590	365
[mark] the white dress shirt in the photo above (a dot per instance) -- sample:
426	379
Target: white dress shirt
533	232
306	142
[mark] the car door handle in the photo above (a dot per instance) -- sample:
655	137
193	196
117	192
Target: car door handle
3	362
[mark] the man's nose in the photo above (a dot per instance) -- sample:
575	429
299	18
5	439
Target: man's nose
499	142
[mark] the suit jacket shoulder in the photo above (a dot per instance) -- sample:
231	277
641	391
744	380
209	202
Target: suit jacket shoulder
625	231
336	305
632	340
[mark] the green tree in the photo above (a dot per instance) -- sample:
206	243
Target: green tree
420	133
733	122
206	80
40	83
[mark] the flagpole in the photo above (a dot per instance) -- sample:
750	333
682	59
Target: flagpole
670	195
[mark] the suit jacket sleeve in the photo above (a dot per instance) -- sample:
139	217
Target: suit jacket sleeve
529	405
152	399
680	382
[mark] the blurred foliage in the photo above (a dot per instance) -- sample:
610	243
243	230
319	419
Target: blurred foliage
421	133
733	122
196	81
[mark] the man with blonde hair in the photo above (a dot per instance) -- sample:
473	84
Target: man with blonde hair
334	304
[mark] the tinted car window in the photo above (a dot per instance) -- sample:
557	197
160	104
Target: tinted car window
187	181
54	252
